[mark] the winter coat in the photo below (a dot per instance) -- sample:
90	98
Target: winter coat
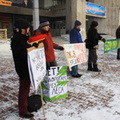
92	38
48	45
75	36
19	50
118	33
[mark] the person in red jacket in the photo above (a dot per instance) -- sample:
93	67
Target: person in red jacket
49	45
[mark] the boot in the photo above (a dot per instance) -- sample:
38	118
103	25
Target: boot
77	76
27	116
90	68
95	68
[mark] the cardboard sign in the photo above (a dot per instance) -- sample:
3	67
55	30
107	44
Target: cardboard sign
75	53
36	65
55	84
111	45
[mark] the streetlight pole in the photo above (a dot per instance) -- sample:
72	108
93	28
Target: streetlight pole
35	14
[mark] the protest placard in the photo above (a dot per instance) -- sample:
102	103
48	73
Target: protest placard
54	85
111	45
36	65
75	53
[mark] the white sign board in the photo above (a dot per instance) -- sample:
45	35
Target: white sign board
37	66
75	53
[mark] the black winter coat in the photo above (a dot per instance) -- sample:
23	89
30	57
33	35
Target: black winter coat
92	38
118	33
19	50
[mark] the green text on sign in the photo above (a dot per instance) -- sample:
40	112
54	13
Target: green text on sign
112	44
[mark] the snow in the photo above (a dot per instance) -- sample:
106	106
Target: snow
94	96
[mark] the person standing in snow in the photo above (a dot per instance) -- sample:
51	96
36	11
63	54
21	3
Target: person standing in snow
92	44
118	37
75	37
19	51
49	45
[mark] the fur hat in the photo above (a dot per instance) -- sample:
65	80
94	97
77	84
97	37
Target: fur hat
44	23
94	24
21	24
77	23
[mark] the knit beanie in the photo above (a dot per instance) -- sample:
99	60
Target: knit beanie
21	24
44	23
77	23
94	24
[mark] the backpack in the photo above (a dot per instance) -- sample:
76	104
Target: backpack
34	103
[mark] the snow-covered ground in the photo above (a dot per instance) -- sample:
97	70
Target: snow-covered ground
94	96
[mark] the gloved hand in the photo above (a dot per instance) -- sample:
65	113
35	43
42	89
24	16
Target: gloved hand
103	39
96	47
59	47
35	45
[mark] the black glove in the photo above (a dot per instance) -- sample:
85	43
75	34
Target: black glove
103	39
59	47
35	45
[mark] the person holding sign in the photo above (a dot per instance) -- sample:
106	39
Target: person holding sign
118	37
75	37
49	45
19	47
92	44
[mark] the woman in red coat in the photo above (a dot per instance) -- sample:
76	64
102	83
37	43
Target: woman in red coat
49	45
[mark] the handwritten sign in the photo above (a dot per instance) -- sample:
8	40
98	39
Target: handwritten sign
111	45
55	84
37	66
75	53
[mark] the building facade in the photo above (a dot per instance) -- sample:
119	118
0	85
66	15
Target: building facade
63	13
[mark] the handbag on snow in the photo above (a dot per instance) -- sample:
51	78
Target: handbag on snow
34	103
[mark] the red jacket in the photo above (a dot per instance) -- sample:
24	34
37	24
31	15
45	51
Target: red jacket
49	46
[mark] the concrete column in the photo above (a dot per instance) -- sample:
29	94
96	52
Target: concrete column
36	14
75	10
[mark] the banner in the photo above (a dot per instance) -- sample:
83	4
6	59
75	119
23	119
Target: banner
112	44
54	85
95	9
37	66
75	53
19	3
5	2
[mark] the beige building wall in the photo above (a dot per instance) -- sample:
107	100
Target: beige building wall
112	20
75	10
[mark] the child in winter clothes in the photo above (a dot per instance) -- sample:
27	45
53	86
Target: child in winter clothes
92	44
49	45
19	50
75	37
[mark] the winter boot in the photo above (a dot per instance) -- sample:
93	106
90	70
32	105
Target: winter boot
77	76
90	68
95	68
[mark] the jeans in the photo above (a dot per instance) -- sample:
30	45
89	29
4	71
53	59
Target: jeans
74	70
92	57
51	64
24	90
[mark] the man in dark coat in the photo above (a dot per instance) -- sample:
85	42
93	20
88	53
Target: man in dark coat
92	44
75	37
118	37
19	50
